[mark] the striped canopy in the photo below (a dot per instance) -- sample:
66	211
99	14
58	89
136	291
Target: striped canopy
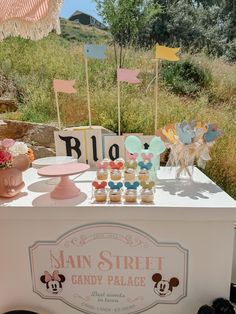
32	19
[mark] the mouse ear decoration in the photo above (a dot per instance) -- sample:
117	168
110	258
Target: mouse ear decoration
133	144
132	156
116	165
131	186
147	157
143	184
95	184
131	164
151	185
102	165
98	186
156	146
111	184
141	164
148	186
135	185
119	185
127	185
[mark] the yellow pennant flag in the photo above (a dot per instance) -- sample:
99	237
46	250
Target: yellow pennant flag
166	53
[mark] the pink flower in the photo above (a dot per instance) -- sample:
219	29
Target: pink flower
4	157
7	143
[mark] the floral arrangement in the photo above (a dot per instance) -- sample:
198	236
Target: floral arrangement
10	149
189	142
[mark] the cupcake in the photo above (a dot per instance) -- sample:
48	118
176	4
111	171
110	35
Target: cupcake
100	195
147	196
102	173
115	175
147	193
116	167
131	192
115	191
144	170
115	196
143	175
129	174
131	196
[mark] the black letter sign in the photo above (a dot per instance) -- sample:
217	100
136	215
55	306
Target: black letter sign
69	147
117	152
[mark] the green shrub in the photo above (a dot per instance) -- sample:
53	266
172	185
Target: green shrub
185	77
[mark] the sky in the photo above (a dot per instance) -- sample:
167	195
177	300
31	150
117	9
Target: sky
86	6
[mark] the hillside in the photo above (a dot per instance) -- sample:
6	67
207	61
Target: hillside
81	33
198	88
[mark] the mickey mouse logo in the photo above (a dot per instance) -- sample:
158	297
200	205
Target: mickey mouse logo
53	282
164	287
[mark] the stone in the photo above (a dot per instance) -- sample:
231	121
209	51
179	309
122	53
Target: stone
7	105
32	133
41	152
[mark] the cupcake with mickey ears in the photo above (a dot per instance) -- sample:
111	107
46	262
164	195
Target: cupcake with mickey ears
100	193
132	159
102	173
130	167
115	191
116	167
147	192
131	192
145	167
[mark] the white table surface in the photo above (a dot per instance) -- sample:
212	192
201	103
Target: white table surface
185	195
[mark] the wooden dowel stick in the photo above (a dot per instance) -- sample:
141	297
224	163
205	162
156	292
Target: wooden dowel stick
88	92
118	108
58	111
156	94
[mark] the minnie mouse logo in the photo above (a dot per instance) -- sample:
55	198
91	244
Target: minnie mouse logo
53	282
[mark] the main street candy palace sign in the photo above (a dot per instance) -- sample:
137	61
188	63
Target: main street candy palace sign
109	268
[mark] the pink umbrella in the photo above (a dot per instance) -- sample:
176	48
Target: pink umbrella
32	19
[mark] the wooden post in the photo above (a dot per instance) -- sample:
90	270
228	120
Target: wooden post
88	93
156	94
58	111
118	107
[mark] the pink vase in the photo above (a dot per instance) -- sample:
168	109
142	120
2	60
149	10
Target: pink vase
11	182
21	162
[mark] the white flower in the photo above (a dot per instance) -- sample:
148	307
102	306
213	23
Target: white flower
19	148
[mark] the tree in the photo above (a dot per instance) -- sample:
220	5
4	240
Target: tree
195	25
126	19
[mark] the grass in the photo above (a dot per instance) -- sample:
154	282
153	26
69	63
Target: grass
33	65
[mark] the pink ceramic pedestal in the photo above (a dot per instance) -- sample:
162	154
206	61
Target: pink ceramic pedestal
66	188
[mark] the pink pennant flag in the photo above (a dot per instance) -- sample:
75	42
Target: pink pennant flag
129	76
61	86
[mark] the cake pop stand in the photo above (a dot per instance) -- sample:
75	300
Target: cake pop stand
55	160
66	188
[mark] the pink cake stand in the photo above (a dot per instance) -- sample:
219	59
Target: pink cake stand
66	188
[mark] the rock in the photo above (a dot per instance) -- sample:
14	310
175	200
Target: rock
7	105
32	133
41	152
